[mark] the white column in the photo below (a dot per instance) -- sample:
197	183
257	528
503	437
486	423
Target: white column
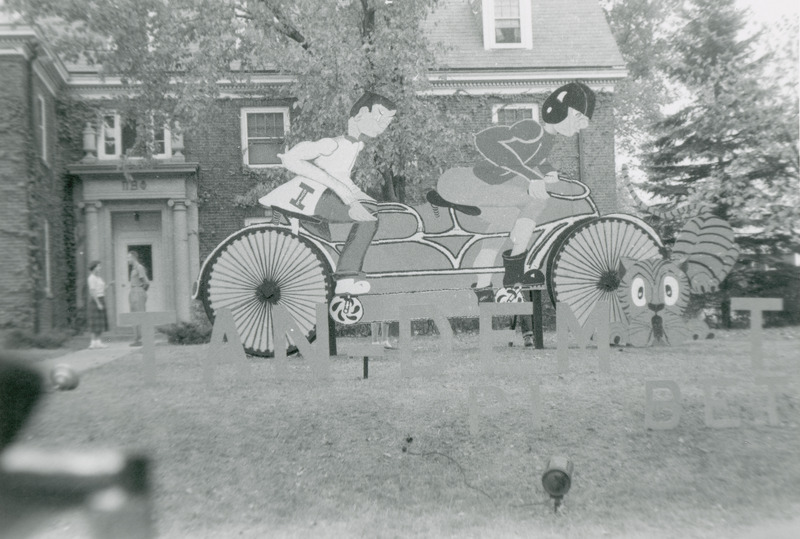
182	279
92	232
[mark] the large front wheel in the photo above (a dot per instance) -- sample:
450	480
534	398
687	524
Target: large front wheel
585	268
255	270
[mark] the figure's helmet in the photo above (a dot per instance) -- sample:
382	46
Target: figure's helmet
574	95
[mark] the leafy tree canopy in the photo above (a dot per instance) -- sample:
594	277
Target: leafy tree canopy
172	54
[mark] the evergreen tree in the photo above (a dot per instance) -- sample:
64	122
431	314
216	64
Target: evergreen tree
733	143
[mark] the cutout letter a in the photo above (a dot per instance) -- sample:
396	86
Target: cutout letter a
225	346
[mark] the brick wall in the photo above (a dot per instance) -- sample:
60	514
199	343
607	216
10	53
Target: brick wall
30	191
217	147
17	307
47	201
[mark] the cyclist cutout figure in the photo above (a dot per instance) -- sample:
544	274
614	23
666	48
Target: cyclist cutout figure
517	175
326	191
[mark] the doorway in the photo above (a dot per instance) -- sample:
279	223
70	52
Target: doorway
145	240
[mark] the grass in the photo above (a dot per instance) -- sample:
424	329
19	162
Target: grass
296	458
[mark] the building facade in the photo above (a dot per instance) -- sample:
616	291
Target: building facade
70	196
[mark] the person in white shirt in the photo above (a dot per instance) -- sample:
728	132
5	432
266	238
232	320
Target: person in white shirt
98	321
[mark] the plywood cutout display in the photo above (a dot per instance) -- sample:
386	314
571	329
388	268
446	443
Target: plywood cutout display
491	232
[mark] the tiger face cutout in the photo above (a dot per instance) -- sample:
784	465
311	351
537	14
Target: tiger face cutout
654	293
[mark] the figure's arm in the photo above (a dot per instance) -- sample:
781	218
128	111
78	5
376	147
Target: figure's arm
299	160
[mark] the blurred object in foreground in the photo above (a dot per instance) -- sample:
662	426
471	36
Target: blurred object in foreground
112	489
20	389
64	377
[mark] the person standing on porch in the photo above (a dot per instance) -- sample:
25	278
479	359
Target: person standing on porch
98	321
138	294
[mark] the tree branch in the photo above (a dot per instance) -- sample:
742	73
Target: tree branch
367	21
283	25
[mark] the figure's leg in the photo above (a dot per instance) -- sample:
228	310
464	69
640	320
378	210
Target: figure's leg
521	234
374	329
526	326
349	276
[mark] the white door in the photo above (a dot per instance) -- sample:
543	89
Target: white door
148	246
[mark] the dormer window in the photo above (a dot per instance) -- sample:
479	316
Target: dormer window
507	24
118	138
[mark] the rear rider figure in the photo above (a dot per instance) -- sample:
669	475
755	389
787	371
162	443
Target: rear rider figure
329	162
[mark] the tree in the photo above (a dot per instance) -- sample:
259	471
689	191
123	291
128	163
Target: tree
733	142
172	54
641	29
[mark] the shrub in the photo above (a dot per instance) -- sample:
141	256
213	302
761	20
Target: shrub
187	333
19	338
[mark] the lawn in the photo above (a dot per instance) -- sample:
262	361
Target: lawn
394	457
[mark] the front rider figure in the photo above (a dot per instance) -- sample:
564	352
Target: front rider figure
516	174
330	161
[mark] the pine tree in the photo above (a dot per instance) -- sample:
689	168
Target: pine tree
733	141
730	143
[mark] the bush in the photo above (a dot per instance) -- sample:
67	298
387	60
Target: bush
19	338
187	333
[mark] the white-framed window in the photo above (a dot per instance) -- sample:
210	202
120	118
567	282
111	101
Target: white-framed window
507	24
41	125
512	113
264	132
117	138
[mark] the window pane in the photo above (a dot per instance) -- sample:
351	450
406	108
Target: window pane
506	9
265	125
507	31
256	125
512	116
263	153
159	144
128	136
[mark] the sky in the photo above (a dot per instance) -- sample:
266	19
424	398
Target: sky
771	10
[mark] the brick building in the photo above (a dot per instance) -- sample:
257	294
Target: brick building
68	198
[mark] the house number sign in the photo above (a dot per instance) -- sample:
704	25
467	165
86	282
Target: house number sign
134	185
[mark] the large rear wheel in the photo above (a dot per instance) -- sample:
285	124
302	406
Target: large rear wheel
585	268
258	268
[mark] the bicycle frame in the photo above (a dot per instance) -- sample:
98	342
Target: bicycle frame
452	245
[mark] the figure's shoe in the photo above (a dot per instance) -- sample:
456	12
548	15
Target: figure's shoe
485	294
533	278
101	345
136	343
527	340
350	286
515	274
